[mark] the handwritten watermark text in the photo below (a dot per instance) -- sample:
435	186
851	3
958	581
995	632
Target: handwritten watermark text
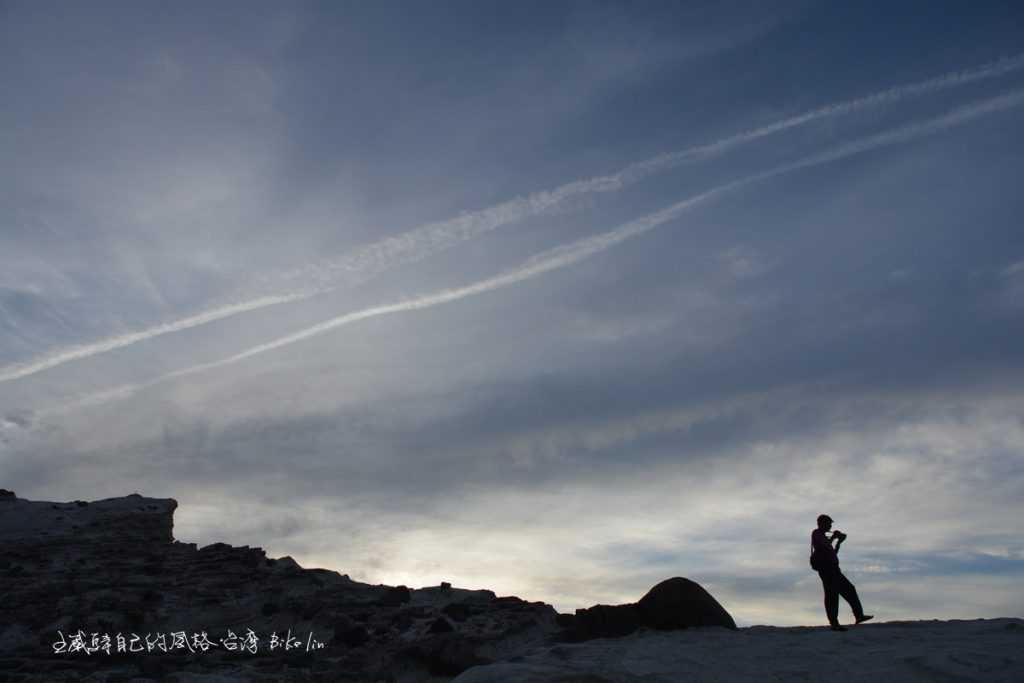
80	642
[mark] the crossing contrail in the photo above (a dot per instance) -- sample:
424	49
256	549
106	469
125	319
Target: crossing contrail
568	254
421	242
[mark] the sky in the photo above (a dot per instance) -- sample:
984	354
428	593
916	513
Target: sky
556	299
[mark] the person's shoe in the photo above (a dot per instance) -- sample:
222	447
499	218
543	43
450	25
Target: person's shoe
865	617
837	627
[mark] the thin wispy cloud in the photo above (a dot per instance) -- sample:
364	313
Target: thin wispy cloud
569	254
424	241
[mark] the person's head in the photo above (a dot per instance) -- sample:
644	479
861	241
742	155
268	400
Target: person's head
824	522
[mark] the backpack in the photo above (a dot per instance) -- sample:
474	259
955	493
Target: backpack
814	560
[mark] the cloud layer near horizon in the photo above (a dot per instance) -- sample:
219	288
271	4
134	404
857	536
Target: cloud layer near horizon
577	405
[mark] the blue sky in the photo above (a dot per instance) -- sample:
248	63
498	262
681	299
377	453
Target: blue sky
557	299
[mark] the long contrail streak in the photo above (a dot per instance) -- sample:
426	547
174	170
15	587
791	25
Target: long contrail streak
426	240
568	254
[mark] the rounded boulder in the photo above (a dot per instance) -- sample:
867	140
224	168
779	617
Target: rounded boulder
681	603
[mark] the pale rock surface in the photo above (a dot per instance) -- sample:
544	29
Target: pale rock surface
894	652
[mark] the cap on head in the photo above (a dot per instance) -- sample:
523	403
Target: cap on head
824	518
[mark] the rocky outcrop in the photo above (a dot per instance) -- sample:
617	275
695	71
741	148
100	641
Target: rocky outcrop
680	603
101	591
675	603
74	573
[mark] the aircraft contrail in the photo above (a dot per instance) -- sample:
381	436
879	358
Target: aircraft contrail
568	254
426	240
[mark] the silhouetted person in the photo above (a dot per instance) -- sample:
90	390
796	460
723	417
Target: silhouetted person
825	559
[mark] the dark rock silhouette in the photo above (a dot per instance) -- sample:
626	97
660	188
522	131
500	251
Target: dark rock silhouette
112	566
681	603
601	621
675	603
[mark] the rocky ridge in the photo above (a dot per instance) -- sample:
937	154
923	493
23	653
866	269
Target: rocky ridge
101	591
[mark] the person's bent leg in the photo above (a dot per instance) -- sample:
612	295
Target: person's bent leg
849	593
